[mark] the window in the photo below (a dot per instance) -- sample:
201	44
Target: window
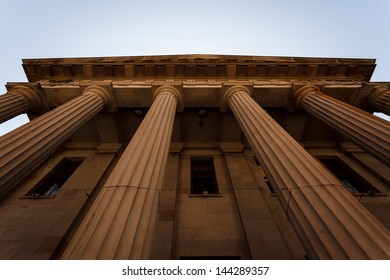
269	185
203	180
53	181
351	180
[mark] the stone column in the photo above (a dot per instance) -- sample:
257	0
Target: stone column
119	224
369	132
22	149
330	222
379	99
18	100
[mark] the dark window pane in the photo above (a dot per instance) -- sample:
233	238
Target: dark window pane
269	185
53	181
203	176
352	181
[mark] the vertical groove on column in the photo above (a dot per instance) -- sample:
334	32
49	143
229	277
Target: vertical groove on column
25	147
336	225
12	105
366	130
119	222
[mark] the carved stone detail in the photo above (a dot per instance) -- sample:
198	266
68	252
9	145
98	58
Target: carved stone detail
102	92
168	89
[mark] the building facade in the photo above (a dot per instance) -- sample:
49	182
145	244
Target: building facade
196	157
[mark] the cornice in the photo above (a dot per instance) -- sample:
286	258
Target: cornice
198	66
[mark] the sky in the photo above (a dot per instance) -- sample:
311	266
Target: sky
80	28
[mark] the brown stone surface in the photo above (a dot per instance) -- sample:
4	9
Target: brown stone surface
163	232
37	228
207	226
262	235
279	217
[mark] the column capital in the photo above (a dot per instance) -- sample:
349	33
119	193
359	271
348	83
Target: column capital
229	92
172	90
378	99
102	92
301	93
375	93
31	96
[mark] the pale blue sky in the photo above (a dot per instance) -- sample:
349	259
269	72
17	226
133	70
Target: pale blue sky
78	28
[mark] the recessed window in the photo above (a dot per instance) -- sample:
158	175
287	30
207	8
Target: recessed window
351	180
269	185
203	180
53	181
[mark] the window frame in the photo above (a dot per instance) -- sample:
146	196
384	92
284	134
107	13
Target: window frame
353	176
211	190
265	177
39	190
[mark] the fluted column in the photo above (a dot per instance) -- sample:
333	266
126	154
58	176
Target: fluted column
22	149
330	222
369	132
120	222
379	99
18	100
